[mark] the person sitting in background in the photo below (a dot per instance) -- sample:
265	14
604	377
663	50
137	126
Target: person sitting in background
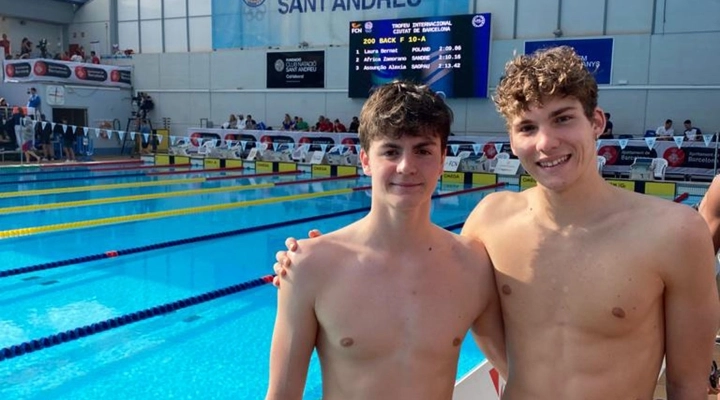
608	131
25	48
324	125
231	123
94	58
354	125
302	125
241	122
665	132
288	123
250	123
338	126
691	132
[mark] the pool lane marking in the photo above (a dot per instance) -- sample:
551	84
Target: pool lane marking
126	319
106	169
9	352
115	176
10	233
217	235
150	196
163	182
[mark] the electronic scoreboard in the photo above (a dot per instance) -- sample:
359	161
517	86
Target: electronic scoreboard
450	54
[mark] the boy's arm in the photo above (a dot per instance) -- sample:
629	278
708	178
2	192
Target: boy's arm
488	328
710	211
691	310
489	334
294	334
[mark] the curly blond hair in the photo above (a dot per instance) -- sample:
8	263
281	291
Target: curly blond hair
530	80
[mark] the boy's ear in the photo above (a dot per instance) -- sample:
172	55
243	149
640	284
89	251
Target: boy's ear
365	162
598	121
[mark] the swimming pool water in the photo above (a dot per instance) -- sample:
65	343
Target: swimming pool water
218	349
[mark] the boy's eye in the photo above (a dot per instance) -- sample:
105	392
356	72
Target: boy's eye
526	128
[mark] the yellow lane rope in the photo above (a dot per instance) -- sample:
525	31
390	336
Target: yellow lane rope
162	214
137	197
74	189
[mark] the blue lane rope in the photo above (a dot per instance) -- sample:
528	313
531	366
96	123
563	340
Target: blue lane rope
196	239
74	178
98	327
172	243
87	330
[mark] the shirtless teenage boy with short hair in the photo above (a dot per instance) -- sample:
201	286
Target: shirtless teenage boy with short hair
596	283
388	299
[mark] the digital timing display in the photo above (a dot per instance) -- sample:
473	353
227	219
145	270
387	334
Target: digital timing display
450	54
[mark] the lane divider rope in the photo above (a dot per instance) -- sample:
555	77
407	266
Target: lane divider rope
212	236
90	163
164	182
114	176
76	170
10	233
681	197
141	197
32	346
111	323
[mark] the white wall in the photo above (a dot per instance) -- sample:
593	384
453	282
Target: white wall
49	11
91	23
102	104
17	29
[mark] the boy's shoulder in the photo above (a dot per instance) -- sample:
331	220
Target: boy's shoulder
318	255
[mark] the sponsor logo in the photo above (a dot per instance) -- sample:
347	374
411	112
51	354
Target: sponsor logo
478	21
279	65
254	3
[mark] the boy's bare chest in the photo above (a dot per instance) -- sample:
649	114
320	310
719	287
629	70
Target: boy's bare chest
382	310
589	280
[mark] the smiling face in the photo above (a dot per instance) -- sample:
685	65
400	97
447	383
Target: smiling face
555	141
404	171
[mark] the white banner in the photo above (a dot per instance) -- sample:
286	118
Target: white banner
42	70
695	157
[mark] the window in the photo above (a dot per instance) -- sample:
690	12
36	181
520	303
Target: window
175	35
128	36
127	10
151	36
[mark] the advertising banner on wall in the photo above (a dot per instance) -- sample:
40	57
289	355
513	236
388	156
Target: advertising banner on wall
597	54
283	23
42	70
297	69
684	157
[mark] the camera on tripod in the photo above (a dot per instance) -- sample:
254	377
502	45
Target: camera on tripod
144	104
42	46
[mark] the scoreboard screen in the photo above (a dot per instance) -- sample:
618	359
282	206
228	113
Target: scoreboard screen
450	54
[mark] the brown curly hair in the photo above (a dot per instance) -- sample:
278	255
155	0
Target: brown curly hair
532	79
404	108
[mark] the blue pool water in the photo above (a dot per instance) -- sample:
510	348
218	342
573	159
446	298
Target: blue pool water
218	349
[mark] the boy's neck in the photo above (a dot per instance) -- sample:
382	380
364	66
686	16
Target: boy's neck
576	205
392	227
